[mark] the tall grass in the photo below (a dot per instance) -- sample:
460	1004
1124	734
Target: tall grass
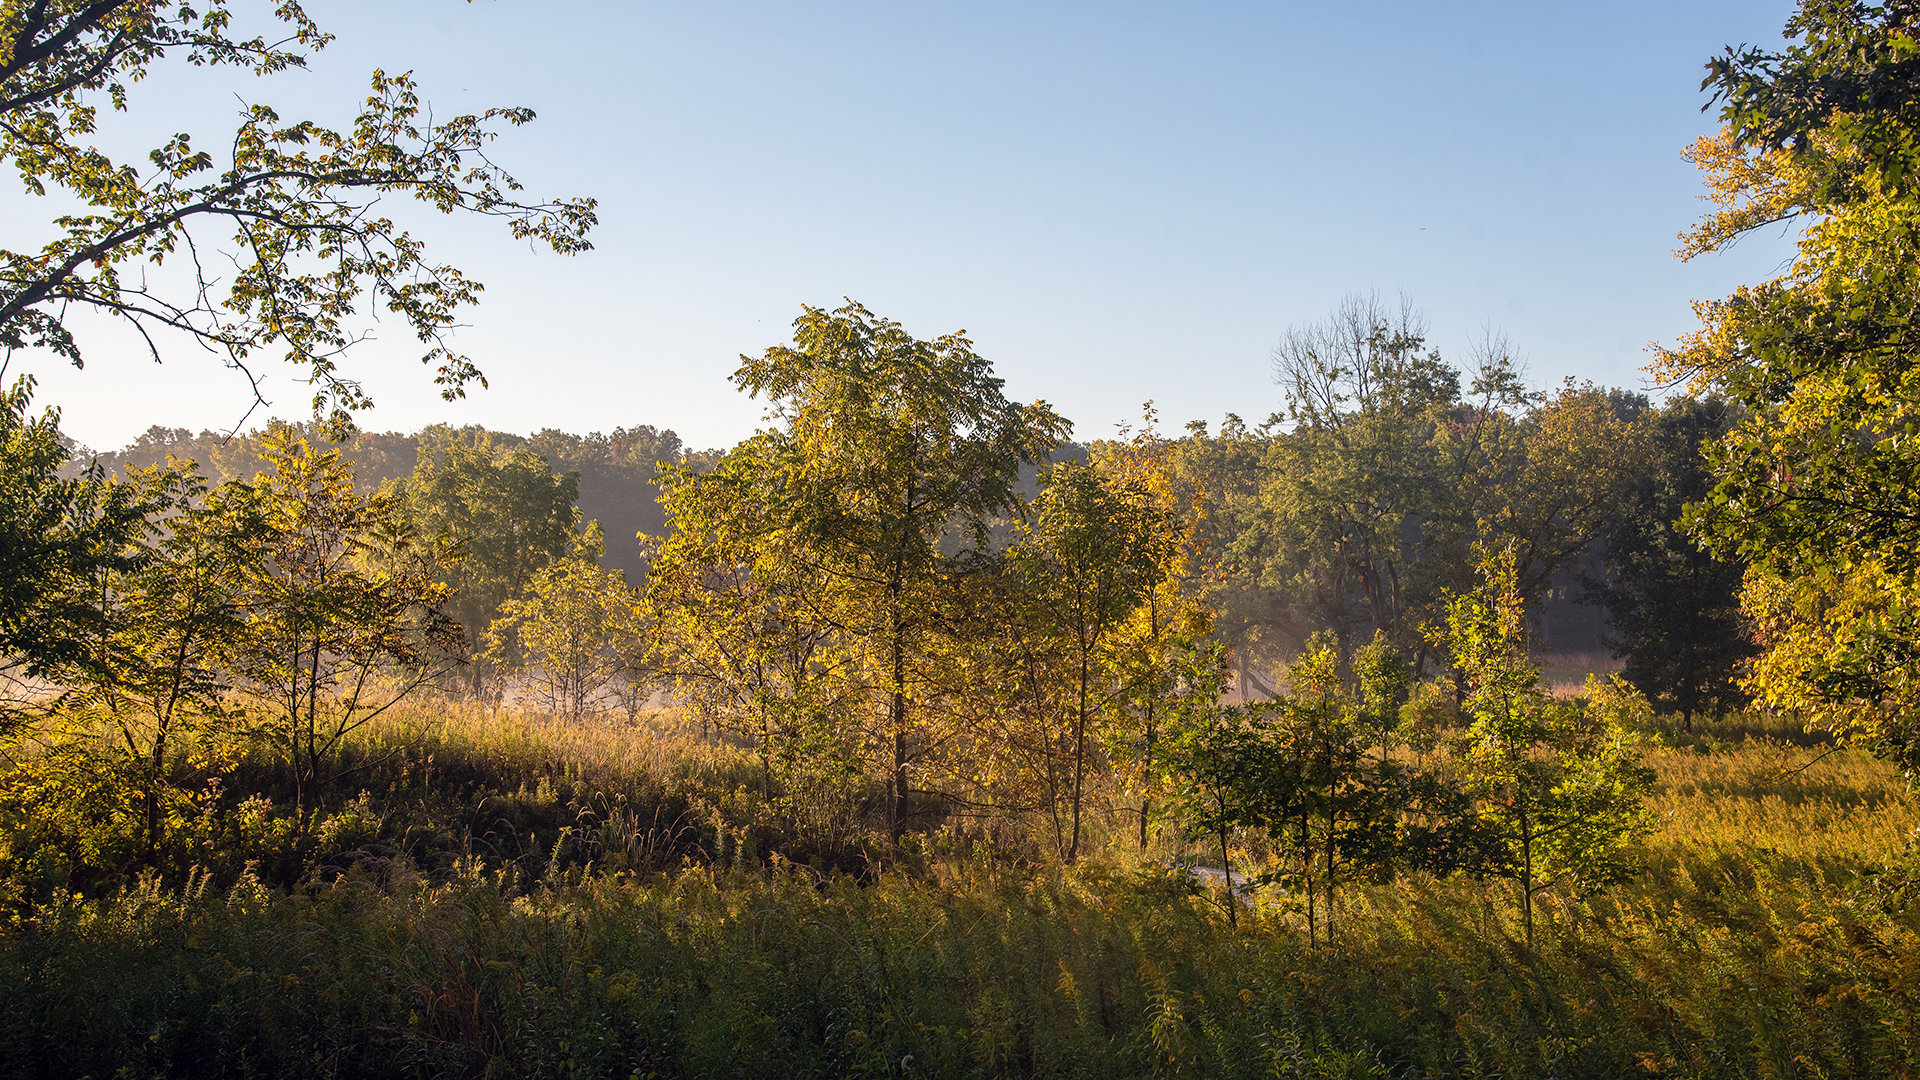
1836	806
1771	933
1722	969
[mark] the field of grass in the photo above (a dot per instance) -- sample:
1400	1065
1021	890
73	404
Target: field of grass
1773	932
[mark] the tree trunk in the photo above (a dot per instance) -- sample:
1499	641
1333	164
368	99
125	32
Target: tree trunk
1079	755
766	766
153	807
310	734
1051	755
1306	876
897	721
897	646
1326	890
1146	759
1226	869
1146	769
1526	875
156	768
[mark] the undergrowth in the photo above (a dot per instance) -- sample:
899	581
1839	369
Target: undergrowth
490	906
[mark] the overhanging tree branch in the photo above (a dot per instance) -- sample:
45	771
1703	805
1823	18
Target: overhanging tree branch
308	247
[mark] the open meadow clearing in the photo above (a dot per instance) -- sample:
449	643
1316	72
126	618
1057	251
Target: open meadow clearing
1773	932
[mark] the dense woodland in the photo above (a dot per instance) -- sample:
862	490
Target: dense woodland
909	737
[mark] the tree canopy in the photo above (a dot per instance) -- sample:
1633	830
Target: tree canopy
290	203
1818	485
889	448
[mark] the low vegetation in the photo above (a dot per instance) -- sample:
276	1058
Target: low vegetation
520	895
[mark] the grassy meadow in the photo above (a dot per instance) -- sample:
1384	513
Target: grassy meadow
973	767
503	894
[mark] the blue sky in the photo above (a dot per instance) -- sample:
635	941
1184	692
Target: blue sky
1118	201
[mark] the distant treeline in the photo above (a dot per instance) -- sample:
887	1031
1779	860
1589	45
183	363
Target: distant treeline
616	471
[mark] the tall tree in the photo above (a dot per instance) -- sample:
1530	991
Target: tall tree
563	636
1818	484
1218	758
888	447
1557	784
1091	553
1387	469
344	617
1349	485
742	631
503	509
160	669
1674	606
303	248
1553	483
739	631
1147	468
60	528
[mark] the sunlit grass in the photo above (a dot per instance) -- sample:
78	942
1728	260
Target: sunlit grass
661	746
1763	795
1768	935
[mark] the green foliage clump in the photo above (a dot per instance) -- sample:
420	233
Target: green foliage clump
1816	485
1367	776
1673	607
1556	786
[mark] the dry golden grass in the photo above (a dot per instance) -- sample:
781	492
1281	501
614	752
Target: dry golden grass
1763	795
1755	942
1736	787
661	747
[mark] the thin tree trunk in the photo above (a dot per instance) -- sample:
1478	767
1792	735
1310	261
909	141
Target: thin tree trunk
766	766
1526	875
897	720
1333	823
897	707
1146	762
1146	798
1226	867
311	734
1079	755
1051	756
1306	876
153	805
156	767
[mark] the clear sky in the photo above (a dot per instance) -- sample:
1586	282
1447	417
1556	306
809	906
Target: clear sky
1119	201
